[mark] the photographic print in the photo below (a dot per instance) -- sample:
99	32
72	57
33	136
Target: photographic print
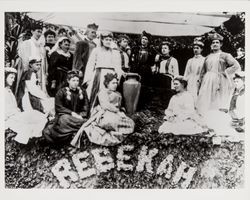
124	100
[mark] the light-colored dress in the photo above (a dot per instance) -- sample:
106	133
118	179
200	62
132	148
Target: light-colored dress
192	74
181	117
216	82
111	126
31	88
228	122
101	62
26	124
33	48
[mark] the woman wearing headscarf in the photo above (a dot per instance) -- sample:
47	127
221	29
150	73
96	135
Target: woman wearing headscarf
60	63
102	60
216	79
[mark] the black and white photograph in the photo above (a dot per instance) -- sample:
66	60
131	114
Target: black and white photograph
124	100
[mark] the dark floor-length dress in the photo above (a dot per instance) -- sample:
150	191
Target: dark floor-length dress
64	126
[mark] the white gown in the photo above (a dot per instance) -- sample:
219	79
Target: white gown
185	119
192	74
26	124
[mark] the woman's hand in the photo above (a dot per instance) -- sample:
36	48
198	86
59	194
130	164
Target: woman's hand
73	114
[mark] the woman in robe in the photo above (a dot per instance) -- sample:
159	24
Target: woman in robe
181	117
30	95
27	124
193	68
216	81
102	60
72	110
110	125
231	121
61	60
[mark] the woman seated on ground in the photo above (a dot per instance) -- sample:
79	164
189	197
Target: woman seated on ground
180	116
72	109
110	125
30	95
232	121
26	124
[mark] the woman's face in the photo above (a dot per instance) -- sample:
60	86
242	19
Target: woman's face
178	86
65	46
10	79
37	33
144	41
107	42
36	66
216	45
124	43
239	83
73	82
165	49
197	50
113	85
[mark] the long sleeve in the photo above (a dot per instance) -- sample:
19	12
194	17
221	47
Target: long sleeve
53	65
104	102
24	53
10	104
187	69
80	54
85	108
173	67
34	89
202	74
59	105
90	67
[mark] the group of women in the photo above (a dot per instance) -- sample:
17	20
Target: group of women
211	89
207	85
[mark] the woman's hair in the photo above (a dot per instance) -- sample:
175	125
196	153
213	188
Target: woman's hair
6	74
239	75
64	40
182	80
49	32
109	77
62	30
105	35
167	44
72	74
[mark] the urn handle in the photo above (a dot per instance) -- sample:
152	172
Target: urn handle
132	75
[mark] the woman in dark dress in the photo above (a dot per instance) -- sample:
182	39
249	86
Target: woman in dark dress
59	64
72	110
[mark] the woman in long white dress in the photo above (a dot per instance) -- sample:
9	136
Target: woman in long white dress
102	60
216	82
26	124
180	116
193	68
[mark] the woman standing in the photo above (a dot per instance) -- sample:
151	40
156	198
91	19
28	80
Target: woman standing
102	60
216	82
180	116
59	64
72	109
110	125
26	124
193	68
